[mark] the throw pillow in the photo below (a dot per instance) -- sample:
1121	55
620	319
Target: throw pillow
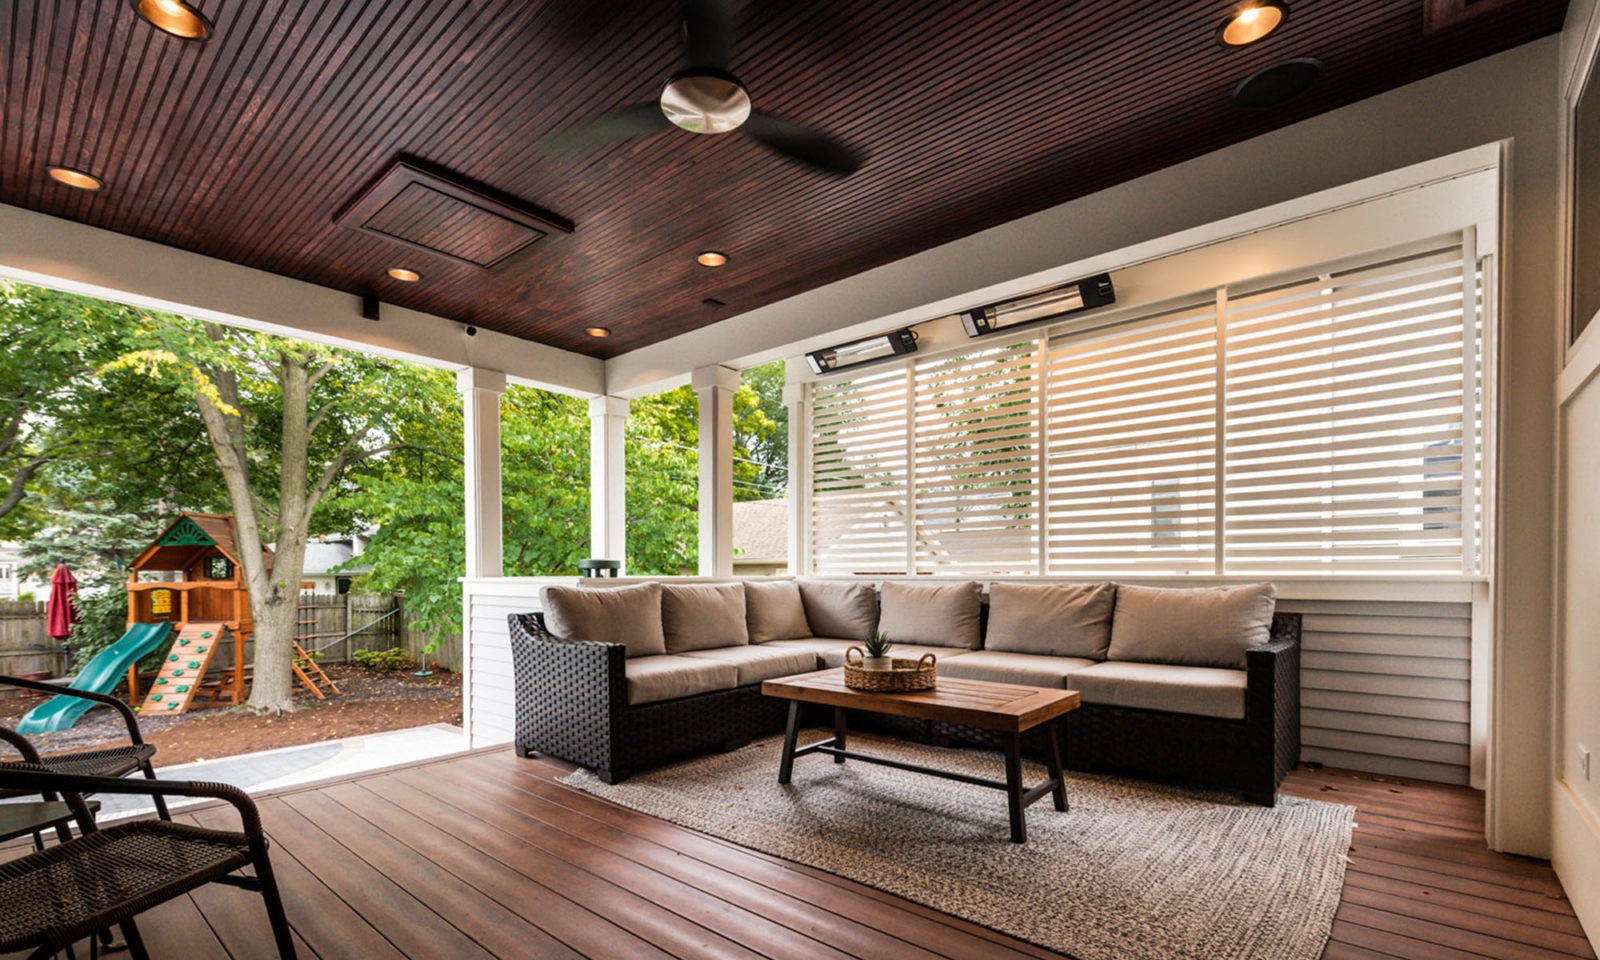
932	614
703	616
773	610
1209	627
1057	620
627	615
840	611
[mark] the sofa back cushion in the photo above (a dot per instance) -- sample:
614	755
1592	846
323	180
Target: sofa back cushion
1058	620
932	614
628	615
703	616
847	611
1209	627
773	610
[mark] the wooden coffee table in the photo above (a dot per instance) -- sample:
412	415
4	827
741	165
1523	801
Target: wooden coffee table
1007	709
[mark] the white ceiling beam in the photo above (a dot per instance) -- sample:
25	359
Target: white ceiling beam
51	252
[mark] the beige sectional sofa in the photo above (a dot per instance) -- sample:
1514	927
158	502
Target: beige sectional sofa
1199	685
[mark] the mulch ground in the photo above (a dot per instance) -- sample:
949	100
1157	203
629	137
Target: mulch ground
369	701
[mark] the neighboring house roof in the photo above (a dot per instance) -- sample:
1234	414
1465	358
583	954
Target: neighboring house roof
761	531
325	553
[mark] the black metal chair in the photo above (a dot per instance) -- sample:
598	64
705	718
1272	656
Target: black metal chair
117	761
106	877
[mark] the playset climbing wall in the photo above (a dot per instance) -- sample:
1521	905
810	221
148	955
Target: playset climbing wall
184	667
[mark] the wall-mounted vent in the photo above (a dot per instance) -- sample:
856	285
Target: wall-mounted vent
437	213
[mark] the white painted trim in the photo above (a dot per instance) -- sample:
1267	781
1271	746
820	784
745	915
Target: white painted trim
1583	363
897	294
1576	857
51	252
480	395
714	387
608	480
1479	740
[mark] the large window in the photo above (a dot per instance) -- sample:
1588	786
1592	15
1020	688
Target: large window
1321	423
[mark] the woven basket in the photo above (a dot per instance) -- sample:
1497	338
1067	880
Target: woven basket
903	676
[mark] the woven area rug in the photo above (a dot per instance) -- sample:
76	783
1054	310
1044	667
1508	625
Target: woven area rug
1133	870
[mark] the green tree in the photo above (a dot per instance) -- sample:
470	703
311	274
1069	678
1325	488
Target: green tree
285	420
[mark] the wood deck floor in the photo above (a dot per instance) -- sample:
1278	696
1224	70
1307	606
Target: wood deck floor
487	856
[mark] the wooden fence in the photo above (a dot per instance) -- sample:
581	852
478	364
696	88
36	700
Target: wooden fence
340	625
25	647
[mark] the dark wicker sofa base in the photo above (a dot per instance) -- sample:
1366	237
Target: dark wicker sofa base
572	703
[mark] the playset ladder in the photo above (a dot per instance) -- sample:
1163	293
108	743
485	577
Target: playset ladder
305	667
183	668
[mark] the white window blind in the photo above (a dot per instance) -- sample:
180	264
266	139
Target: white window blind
1326	423
1132	447
859	497
975	441
1344	421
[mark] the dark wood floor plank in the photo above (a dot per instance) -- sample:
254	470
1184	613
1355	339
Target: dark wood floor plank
486	921
837	895
1470	920
700	894
1560	921
1445	934
1399	945
381	901
792	914
516	887
177	928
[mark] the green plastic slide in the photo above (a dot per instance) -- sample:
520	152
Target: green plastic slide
100	675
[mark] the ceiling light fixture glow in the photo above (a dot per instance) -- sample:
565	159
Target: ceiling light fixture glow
404	275
597	331
174	18
711	258
75	178
1252	23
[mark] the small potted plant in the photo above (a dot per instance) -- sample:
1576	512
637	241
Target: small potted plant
877	657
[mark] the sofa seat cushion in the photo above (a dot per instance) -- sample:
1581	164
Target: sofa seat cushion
670	676
702	616
1202	691
818	647
1028	669
900	651
758	663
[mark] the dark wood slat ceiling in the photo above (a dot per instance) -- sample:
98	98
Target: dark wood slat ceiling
973	112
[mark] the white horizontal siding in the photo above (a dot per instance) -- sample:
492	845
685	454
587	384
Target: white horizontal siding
1385	684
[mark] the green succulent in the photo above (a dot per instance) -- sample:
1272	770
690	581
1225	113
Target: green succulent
878	645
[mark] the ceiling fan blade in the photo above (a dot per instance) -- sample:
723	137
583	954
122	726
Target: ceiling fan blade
635	120
804	144
708	34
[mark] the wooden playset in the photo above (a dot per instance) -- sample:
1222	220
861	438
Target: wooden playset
190	577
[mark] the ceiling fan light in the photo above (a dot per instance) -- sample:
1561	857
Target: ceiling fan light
705	101
1252	23
175	18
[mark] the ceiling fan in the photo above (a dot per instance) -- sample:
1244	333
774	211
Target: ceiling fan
705	98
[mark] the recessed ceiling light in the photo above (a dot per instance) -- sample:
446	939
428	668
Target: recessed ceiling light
401	273
597	331
1251	23
174	17
711	258
75	178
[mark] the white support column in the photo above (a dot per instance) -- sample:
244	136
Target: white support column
608	515
797	398
715	386
480	399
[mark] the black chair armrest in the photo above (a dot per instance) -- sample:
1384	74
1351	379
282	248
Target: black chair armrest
23	747
128	716
36	779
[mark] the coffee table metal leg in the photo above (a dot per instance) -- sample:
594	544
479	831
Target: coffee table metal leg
790	734
1019	826
1053	760
839	732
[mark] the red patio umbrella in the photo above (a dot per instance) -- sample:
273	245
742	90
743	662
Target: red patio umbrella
62	611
